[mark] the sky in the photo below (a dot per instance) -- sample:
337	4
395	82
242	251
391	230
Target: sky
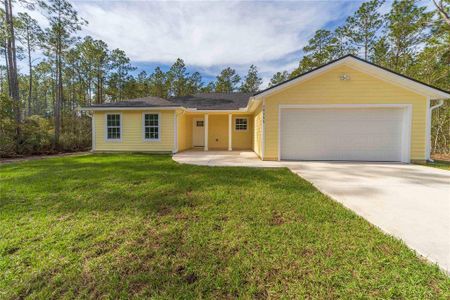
211	35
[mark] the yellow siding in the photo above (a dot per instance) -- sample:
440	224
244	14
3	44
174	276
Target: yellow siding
257	130
132	133
360	89
242	140
184	122
218	132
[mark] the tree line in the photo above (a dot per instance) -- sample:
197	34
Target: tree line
65	71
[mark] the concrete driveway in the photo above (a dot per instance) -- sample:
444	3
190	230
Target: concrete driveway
410	202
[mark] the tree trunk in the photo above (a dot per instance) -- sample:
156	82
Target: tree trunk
99	87
58	98
7	69
12	67
30	77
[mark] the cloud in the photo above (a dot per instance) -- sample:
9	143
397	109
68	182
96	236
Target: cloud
209	35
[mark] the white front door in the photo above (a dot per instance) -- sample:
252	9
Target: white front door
198	132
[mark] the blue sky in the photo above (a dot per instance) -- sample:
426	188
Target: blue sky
210	35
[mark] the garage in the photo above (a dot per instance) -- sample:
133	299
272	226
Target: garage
345	133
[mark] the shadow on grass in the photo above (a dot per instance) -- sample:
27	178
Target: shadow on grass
108	182
121	226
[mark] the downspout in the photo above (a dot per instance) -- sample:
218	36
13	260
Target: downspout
439	104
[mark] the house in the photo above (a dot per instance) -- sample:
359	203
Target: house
348	109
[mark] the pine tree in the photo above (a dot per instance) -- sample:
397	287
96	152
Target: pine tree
177	76
406	31
321	48
209	88
362	28
278	78
30	34
159	84
11	63
252	81
194	84
443	8
227	81
64	22
120	67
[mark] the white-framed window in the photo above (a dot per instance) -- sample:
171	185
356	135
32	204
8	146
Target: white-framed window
151	126
113	127
240	124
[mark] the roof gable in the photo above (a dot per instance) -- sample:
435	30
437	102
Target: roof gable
365	67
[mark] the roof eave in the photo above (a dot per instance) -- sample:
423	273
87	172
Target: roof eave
111	108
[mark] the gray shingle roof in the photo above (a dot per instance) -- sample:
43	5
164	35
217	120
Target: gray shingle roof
138	102
213	101
202	101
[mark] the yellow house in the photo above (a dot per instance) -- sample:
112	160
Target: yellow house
348	109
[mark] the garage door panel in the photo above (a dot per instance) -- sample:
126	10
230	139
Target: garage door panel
372	134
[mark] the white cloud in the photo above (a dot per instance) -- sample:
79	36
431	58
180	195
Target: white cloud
209	34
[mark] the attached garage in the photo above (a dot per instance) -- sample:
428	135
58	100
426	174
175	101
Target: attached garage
348	110
343	132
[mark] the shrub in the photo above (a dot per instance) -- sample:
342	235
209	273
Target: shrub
7	127
7	138
76	133
37	133
36	136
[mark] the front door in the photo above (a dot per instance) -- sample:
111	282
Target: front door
198	132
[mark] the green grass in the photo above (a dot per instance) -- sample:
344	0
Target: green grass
137	226
440	164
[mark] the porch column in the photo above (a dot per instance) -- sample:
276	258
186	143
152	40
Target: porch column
230	132
206	132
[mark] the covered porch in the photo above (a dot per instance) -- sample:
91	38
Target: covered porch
215	131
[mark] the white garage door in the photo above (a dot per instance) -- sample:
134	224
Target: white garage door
362	134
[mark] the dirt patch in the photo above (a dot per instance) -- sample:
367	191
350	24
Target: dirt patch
261	294
441	156
164	210
277	219
191	278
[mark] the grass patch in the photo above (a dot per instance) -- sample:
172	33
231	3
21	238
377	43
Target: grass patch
440	164
137	225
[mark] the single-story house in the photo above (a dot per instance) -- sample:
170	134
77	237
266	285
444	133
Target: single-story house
348	109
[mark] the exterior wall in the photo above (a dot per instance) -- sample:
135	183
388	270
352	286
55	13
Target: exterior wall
242	140
257	130
217	132
132	132
327	88
184	131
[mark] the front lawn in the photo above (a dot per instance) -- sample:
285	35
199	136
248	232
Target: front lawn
136	225
440	164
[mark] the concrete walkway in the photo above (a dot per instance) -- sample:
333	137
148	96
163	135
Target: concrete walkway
410	202
224	159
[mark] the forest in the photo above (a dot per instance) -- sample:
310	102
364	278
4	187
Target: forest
65	70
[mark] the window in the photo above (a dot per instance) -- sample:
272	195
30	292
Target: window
200	124
241	124
151	126
113	131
